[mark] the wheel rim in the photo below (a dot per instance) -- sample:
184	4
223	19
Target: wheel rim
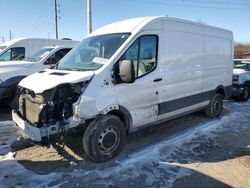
108	140
217	105
246	92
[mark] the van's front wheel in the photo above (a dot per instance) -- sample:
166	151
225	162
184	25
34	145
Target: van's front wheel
215	107
104	138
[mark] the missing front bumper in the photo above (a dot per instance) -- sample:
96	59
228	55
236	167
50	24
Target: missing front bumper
34	133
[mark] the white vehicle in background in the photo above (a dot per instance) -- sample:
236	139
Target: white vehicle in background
126	76
12	72
19	49
241	79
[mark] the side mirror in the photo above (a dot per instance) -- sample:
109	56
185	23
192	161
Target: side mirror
127	71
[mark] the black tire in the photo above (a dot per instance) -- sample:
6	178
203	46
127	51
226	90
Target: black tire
104	138
215	107
244	95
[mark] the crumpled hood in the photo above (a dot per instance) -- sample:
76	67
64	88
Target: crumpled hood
47	79
238	71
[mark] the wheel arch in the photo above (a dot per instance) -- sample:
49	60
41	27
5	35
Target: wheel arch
10	86
226	92
13	81
124	115
221	90
247	83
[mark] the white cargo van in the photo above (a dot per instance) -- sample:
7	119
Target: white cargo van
12	72
19	49
125	76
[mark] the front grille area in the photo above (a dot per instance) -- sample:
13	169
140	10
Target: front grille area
51	106
31	110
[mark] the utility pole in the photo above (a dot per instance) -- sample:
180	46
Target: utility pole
56	19
89	17
10	34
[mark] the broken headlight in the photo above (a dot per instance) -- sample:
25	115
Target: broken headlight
61	99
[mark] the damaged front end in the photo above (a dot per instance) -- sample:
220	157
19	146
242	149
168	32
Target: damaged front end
47	113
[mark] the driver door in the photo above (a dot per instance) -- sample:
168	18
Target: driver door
141	97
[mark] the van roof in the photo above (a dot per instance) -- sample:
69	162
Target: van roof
10	42
130	25
13	41
124	26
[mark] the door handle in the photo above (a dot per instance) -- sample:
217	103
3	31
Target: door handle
157	79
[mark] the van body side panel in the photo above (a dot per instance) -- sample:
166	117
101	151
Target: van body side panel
218	59
181	69
181	103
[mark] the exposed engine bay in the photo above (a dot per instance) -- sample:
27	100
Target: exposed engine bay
51	106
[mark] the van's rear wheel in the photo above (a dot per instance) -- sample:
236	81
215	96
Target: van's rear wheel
215	107
104	138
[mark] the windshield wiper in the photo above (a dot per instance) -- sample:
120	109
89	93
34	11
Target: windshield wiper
73	69
78	69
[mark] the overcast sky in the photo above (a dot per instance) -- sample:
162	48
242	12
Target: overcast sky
35	18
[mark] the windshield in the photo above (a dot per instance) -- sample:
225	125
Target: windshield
92	52
39	55
244	65
2	48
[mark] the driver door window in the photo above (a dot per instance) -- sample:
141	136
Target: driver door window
143	54
13	54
